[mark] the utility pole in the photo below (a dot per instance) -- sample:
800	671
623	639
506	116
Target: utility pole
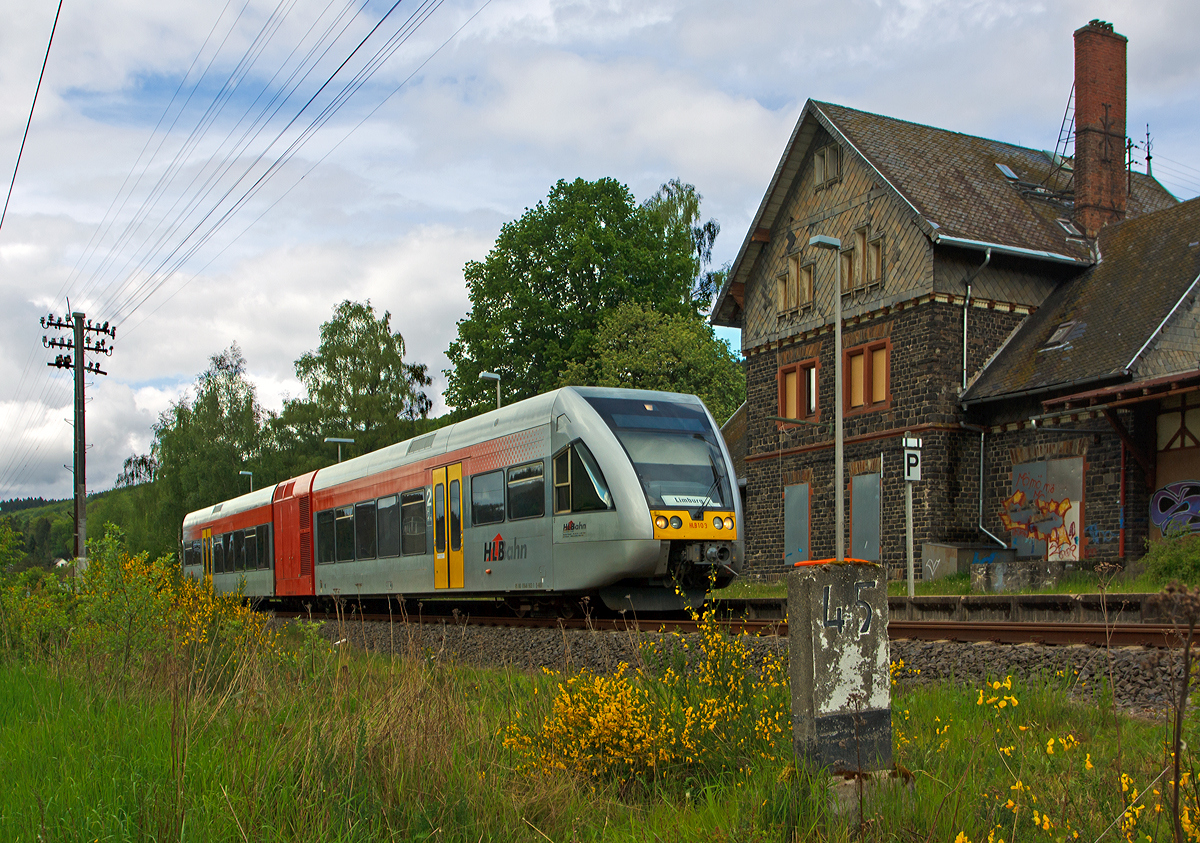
80	343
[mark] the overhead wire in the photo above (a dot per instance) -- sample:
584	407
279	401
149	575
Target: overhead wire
29	122
129	329
179	255
240	70
186	247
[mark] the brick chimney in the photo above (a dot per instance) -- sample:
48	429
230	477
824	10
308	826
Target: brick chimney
1100	178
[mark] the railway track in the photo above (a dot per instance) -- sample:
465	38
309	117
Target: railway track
1058	633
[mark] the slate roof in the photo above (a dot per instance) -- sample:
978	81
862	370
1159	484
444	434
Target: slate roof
952	184
1147	265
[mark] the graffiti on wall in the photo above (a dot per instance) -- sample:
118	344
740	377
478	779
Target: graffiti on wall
1044	512
1041	520
1176	507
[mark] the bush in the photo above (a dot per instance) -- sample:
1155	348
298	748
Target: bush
696	708
1175	557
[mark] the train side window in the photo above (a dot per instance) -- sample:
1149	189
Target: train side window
197	553
439	517
187	554
325	537
455	516
219	554
262	554
364	530
562	482
412	517
527	491
239	550
263	546
343	531
487	498
387	522
251	541
579	485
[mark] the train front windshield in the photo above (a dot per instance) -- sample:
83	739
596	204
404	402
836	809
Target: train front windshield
674	450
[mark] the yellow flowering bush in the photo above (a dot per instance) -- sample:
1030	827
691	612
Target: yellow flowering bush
702	703
124	609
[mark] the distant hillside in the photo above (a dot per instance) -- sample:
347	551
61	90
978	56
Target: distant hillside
18	504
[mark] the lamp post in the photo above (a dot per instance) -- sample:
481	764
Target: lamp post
249	474
835	245
340	442
492	376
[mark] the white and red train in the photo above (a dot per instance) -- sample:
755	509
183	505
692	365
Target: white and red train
624	494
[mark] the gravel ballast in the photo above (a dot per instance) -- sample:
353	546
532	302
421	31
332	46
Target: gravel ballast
1142	677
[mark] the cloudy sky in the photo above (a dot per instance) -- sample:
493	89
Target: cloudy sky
172	183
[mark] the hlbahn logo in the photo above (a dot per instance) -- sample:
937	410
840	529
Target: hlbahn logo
574	528
494	551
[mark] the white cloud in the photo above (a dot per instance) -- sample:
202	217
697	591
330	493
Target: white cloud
530	92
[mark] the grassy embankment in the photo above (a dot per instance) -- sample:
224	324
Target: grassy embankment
140	707
1173	560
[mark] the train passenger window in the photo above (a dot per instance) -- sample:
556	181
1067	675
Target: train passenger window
455	516
265	556
187	554
197	553
412	516
251	550
487	498
239	550
562	482
219	554
579	484
527	491
439	518
364	530
343	531
325	537
387	523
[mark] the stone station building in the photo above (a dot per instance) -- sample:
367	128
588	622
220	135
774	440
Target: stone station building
1032	317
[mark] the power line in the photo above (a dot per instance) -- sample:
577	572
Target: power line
25	136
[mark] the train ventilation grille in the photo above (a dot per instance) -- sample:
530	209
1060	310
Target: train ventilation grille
306	555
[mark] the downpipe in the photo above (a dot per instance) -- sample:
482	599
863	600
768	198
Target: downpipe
982	432
987	258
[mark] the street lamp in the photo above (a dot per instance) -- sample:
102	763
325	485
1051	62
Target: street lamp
492	376
820	241
249	474
340	442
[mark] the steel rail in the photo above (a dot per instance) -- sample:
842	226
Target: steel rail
1049	633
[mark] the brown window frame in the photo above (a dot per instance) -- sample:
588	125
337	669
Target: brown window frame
873	269
821	159
866	350
801	368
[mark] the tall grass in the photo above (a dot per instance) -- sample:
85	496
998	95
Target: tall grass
135	705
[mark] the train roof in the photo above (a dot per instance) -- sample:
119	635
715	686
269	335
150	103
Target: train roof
514	418
244	503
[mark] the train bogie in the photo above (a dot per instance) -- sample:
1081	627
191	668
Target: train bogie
622	493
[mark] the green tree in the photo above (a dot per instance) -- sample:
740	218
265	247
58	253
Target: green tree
200	445
640	348
358	385
538	298
676	208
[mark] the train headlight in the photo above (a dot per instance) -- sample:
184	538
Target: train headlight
729	523
661	522
718	523
676	521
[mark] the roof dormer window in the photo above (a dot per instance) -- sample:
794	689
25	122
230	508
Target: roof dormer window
1060	336
1069	227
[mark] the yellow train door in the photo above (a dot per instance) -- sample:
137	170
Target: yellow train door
454	504
447	527
206	552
